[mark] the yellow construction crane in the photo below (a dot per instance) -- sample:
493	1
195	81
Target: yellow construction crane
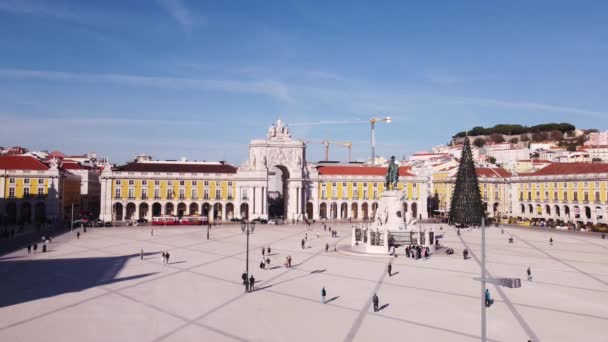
326	144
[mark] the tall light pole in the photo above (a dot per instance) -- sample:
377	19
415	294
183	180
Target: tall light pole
247	227
373	134
483	279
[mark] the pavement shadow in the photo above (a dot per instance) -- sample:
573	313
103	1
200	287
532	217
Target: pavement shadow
33	279
394	274
176	262
332	299
383	307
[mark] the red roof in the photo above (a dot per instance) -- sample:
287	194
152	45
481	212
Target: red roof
360	170
57	154
572	168
21	163
492	172
67	165
177	167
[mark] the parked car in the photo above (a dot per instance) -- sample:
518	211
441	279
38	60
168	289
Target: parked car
108	224
96	223
81	222
142	220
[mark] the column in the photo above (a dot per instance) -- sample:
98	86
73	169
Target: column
136	214
297	201
253	199
264	198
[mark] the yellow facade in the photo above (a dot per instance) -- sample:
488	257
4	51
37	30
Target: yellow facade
20	183
413	189
566	191
227	191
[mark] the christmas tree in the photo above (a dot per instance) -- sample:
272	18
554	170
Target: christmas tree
466	206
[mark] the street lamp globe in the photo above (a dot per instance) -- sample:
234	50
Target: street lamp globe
243	226
388	119
252	226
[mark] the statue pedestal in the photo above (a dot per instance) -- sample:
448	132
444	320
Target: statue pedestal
389	229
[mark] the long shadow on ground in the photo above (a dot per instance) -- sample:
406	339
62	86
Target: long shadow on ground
31	279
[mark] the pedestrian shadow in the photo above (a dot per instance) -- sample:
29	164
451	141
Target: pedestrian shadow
332	299
383	307
318	271
263	287
273	254
274	267
16	257
176	262
394	274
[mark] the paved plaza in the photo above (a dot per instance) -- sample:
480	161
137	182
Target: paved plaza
96	288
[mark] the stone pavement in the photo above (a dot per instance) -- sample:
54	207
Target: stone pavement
96	288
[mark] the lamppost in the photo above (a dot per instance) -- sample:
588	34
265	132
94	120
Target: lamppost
373	134
247	227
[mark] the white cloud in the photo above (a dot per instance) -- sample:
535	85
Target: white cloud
532	105
269	88
35	8
179	12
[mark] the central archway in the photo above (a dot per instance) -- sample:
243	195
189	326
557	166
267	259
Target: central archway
278	192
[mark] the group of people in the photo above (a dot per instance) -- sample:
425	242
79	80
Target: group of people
287	263
417	252
265	263
165	256
34	246
249	283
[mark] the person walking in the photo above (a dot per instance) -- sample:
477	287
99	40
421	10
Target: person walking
78	235
29	249
390	269
269	250
529	272
35	247
375	300
488	298
323	294
245	281
303	242
289	260
141	254
407	251
167	257
551	241
251	283
306	236
326	247
324	227
263	251
164	256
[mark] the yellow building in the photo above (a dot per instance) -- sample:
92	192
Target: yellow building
352	192
563	192
149	188
33	193
494	187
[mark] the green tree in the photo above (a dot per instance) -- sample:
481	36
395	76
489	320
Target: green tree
479	142
540	136
556	135
497	138
514	140
524	137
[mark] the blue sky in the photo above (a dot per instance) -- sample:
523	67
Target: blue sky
199	79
